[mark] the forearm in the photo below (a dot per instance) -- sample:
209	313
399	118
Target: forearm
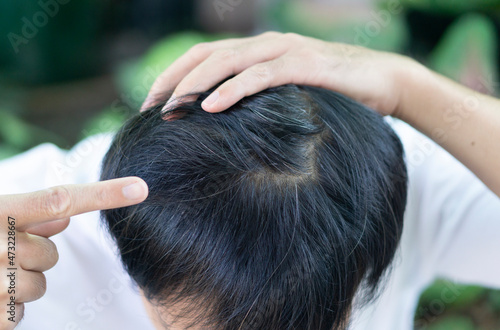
464	122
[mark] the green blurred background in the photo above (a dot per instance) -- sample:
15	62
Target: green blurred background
70	69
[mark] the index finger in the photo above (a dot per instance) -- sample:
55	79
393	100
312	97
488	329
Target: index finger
168	80
64	201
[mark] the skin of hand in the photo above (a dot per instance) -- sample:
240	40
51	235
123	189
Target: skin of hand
272	59
27	222
464	122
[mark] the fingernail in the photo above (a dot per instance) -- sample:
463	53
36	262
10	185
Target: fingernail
171	103
211	99
133	191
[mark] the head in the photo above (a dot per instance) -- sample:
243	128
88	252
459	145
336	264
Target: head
274	214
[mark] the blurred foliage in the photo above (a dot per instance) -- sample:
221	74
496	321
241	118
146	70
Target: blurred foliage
46	41
109	120
451	6
134	80
17	136
460	294
494	300
453	323
470	42
136	77
388	33
51	41
446	305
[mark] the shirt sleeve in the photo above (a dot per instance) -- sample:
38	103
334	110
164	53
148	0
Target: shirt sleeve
458	216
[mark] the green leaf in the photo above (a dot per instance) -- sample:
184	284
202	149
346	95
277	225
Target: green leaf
467	53
14	132
494	299
453	323
450	295
110	120
7	151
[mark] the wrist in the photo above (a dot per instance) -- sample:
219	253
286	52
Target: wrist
412	79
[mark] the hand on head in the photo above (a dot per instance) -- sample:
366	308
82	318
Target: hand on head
391	84
272	59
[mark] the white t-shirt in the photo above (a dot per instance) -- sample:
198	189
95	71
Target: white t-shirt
452	227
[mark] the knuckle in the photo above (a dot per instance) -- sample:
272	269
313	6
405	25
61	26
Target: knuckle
101	195
226	54
199	51
293	37
306	53
262	72
200	48
58	202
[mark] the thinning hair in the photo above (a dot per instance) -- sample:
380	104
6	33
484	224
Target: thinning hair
273	214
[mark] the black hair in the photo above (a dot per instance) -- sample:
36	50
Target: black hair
273	214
